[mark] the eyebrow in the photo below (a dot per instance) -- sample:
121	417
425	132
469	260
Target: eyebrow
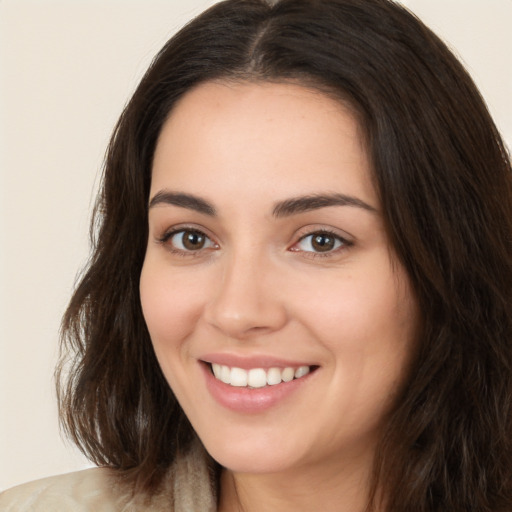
183	200
281	209
314	202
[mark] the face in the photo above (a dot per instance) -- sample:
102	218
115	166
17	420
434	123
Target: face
278	313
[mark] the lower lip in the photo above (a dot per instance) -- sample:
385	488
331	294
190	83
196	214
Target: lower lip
250	400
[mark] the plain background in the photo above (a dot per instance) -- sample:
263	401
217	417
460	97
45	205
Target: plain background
66	70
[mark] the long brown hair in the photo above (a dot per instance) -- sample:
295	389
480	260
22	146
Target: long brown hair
444	180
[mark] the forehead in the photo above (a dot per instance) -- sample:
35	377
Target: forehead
281	133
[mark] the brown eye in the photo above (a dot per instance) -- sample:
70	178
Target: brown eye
193	240
189	240
321	242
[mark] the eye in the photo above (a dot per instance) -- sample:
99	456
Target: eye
188	240
320	242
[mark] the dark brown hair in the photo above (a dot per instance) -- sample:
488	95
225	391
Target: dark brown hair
444	180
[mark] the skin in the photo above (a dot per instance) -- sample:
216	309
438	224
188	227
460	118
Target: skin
259	287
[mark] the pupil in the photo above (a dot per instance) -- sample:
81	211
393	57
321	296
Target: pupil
193	240
323	243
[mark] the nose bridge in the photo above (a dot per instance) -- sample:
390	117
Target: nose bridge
245	300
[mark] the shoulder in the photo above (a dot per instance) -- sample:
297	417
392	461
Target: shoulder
189	486
81	491
91	490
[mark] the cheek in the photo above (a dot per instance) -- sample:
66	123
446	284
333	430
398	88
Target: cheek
170	306
367	322
356	308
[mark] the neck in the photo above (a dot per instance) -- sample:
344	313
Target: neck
305	489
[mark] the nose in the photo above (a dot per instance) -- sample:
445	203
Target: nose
246	300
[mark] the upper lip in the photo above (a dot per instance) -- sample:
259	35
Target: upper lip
253	361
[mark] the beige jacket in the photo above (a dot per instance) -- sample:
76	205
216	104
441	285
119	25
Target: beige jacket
188	488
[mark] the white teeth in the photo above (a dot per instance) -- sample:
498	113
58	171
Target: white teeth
288	374
238	377
301	371
257	377
274	376
216	370
225	374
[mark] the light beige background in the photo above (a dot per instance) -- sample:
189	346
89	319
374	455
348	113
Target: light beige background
66	70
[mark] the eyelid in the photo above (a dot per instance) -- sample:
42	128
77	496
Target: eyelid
311	229
345	239
174	230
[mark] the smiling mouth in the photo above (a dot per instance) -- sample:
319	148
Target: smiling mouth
258	377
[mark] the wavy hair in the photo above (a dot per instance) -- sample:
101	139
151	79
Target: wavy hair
443	176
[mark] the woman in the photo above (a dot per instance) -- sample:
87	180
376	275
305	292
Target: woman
300	289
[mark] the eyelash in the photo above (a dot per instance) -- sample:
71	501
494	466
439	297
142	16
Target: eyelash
168	235
343	242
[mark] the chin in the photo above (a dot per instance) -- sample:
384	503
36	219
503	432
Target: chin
250	456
